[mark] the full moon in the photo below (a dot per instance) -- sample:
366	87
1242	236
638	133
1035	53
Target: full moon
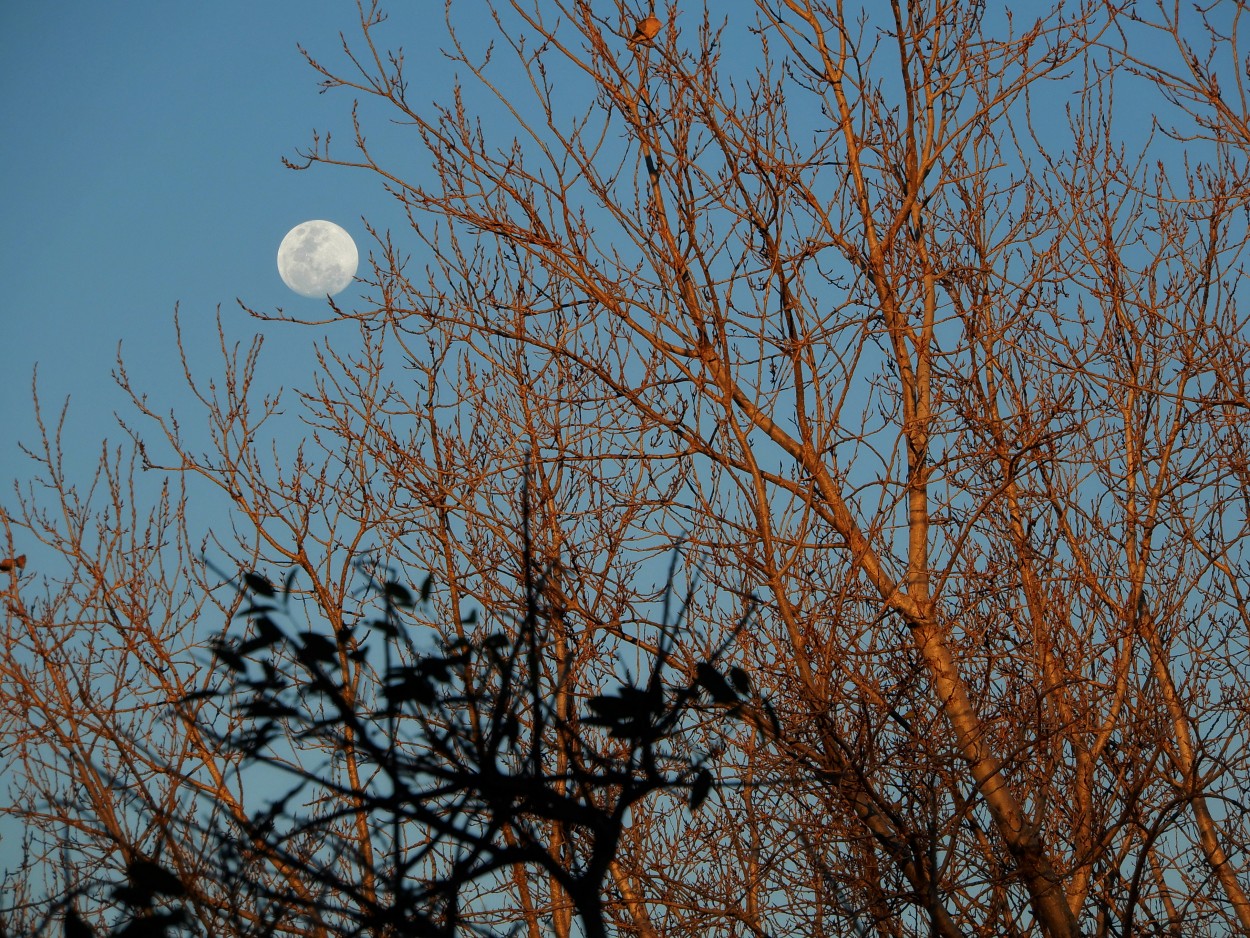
317	258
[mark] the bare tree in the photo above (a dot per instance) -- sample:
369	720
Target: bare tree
899	324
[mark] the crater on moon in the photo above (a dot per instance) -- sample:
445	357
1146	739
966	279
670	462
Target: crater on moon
317	258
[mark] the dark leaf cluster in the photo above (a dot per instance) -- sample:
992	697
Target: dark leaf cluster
466	767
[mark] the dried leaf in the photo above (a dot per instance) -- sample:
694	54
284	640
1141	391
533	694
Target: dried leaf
258	584
399	594
700	788
714	683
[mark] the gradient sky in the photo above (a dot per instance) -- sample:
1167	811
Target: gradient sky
140	167
140	148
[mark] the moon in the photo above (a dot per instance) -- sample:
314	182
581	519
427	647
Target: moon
317	258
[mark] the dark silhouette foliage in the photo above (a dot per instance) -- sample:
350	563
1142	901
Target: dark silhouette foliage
465	766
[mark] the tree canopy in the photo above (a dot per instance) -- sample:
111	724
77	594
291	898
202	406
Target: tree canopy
789	475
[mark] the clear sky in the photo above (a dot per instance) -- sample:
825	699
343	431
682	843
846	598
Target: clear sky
140	167
140	147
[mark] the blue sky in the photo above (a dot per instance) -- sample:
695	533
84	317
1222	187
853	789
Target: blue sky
140	159
140	167
140	148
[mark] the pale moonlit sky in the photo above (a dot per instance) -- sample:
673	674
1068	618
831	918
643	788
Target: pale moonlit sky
140	147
